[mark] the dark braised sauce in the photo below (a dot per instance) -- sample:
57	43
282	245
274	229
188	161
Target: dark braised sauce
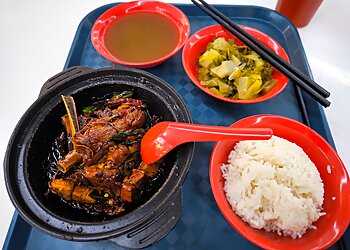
141	37
99	175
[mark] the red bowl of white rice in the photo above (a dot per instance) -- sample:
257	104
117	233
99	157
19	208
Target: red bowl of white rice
289	192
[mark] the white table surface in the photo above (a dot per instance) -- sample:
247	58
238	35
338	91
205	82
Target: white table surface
36	37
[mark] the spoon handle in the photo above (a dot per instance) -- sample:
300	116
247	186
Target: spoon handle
196	132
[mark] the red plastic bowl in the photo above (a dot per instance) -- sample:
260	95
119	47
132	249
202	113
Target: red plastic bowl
197	43
169	11
336	204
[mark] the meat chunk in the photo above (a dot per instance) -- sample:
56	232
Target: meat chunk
103	112
63	188
82	194
101	176
100	130
134	148
117	155
128	193
136	179
84	151
94	133
100	154
135	119
68	191
120	112
70	160
150	170
132	185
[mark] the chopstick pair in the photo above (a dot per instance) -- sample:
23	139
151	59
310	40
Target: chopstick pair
307	84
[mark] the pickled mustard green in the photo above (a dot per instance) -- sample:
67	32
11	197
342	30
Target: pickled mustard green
234	71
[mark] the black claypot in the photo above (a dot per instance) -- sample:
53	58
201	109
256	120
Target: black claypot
31	141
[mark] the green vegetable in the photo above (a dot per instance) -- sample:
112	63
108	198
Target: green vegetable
249	87
210	83
210	57
220	44
268	86
217	92
233	71
124	94
121	136
102	197
225	88
225	69
87	111
203	74
235	59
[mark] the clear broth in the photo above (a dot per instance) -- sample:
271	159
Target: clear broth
141	37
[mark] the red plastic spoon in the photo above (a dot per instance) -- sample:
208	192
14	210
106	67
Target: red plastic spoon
165	136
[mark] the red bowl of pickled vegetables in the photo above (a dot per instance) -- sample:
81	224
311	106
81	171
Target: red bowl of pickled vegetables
198	42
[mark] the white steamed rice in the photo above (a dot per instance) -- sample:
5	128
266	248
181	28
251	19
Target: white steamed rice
272	184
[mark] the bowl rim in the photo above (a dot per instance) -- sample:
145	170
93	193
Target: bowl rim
219	29
100	47
219	198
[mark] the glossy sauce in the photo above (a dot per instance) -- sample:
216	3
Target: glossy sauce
141	37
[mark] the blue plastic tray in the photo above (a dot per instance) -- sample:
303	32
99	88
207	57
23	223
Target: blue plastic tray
202	226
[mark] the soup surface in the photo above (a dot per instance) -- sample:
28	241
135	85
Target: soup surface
141	37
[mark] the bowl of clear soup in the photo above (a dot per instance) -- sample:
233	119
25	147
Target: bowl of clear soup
140	34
